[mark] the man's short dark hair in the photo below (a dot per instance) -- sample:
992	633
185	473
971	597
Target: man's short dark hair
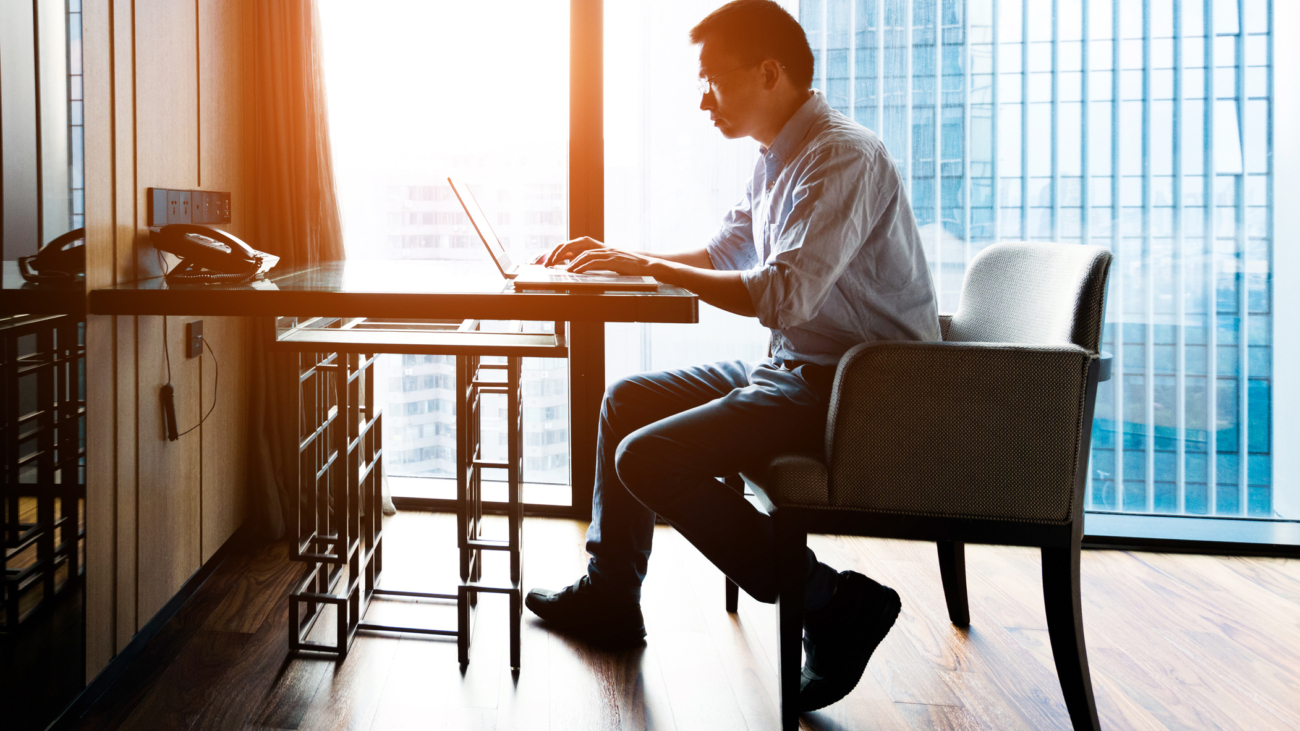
756	30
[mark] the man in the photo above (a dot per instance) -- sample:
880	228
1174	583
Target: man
824	251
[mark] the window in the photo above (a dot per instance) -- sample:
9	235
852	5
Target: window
420	91
669	177
1144	127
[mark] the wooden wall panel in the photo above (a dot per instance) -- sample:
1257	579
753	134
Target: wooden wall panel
225	54
127	404
126	401
166	154
100	492
171	85
169	500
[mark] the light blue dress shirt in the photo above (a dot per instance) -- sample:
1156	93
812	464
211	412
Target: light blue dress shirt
825	237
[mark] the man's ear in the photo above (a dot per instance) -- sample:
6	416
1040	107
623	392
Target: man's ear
771	69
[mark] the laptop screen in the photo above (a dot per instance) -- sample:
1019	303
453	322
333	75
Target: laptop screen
480	222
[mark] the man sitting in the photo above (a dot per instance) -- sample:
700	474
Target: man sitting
824	251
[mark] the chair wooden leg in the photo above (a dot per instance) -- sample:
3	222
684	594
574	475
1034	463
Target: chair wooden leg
952	567
791	576
516	613
736	483
1065	627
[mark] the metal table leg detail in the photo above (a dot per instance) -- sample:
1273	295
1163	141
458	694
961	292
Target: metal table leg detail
340	521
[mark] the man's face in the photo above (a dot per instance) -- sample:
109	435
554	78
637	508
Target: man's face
734	102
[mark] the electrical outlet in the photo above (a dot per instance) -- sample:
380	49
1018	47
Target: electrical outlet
178	206
194	339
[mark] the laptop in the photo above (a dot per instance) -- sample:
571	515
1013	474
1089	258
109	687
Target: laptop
535	276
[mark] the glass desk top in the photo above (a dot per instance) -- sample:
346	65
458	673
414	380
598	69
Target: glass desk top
20	297
392	289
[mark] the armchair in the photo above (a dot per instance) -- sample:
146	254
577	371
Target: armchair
983	437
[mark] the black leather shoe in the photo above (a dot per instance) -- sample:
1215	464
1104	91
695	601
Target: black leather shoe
583	611
840	637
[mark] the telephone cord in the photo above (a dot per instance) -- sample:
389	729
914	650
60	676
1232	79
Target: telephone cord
216	369
216	372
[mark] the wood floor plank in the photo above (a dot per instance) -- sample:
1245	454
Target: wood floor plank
348	694
699	691
596	689
1278	575
524	697
158	655
939	718
984	649
753	681
244	689
1235	670
1233	594
1114	707
424	684
1175	642
296	683
176	701
1205	691
259	590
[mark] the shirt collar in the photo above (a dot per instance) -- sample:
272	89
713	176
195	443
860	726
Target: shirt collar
790	139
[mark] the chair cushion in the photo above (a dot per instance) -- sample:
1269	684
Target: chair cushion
792	479
1033	294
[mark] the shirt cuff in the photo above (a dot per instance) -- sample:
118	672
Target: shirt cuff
756	281
723	255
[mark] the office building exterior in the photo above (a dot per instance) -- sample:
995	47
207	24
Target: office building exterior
1142	127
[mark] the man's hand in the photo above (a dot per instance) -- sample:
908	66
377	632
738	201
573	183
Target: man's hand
568	251
615	260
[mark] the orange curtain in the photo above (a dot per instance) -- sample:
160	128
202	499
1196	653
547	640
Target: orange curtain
297	219
299	212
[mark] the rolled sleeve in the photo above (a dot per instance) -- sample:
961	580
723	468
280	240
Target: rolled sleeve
842	195
732	248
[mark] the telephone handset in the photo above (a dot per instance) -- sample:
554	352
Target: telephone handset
61	260
209	255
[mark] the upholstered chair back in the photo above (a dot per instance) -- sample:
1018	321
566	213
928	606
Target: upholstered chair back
1033	294
987	424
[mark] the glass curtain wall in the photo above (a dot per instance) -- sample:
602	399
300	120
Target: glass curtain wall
1144	127
418	92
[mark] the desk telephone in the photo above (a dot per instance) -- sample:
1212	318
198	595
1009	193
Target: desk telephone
209	255
61	260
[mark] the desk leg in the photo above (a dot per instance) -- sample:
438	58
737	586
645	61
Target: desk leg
586	389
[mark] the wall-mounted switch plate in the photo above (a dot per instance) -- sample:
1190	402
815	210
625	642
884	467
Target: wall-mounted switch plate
194	339
167	205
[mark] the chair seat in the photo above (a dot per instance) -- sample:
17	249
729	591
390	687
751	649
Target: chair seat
792	479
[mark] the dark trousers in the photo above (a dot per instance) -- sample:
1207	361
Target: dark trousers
664	440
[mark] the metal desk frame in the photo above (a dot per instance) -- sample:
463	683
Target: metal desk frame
340	460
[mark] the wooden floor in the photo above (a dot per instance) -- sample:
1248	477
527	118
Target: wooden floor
1176	642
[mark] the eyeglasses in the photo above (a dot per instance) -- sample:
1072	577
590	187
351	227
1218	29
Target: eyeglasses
706	82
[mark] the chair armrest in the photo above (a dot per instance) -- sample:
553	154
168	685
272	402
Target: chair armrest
791	479
945	321
960	429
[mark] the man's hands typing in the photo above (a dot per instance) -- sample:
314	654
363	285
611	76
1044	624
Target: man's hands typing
587	255
568	251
